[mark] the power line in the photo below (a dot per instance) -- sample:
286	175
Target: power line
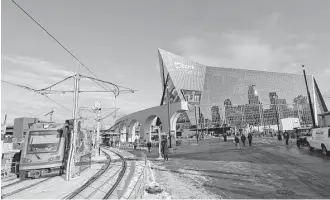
33	90
58	42
49	87
115	85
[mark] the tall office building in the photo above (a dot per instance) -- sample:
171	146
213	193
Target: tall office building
253	95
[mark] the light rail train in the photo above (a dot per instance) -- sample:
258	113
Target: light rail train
44	150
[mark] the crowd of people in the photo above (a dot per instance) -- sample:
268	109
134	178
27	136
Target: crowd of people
243	139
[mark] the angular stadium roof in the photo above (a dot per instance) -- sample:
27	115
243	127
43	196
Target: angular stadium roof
218	83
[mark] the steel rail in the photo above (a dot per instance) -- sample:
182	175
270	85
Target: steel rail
13	183
24	188
120	177
92	179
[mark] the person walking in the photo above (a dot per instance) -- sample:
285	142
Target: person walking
243	138
165	151
237	142
286	135
149	146
250	139
135	144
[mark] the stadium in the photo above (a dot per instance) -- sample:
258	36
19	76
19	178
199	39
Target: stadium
236	97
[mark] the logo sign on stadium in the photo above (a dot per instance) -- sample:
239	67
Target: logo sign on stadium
187	69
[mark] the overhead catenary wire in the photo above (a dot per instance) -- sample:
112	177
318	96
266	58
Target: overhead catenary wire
115	85
49	87
48	90
33	90
57	41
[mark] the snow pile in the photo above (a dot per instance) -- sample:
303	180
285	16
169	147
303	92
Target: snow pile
186	185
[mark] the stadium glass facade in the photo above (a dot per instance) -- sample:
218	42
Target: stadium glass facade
236	97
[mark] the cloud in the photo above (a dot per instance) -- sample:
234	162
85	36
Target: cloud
266	47
37	74
33	72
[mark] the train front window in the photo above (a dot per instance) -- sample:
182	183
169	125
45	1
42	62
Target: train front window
43	141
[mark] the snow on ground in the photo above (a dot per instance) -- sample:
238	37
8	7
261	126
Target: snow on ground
7	182
185	185
57	187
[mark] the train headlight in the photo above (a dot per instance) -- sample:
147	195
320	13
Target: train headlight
26	160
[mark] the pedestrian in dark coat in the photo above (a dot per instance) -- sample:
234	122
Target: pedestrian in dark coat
237	142
149	146
286	135
165	151
243	138
250	139
135	144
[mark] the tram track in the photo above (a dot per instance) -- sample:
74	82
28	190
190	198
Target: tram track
15	191
120	177
92	188
10	184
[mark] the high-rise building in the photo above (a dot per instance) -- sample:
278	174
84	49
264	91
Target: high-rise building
215	114
272	97
253	95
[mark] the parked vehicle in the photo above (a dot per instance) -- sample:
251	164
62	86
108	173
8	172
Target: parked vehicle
320	140
302	134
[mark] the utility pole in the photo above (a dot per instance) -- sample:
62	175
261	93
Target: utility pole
50	114
70	163
98	122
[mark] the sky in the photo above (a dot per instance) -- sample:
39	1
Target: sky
118	41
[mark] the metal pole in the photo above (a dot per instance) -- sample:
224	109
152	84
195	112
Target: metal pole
70	163
98	132
196	122
68	166
309	99
278	126
169	120
159	145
